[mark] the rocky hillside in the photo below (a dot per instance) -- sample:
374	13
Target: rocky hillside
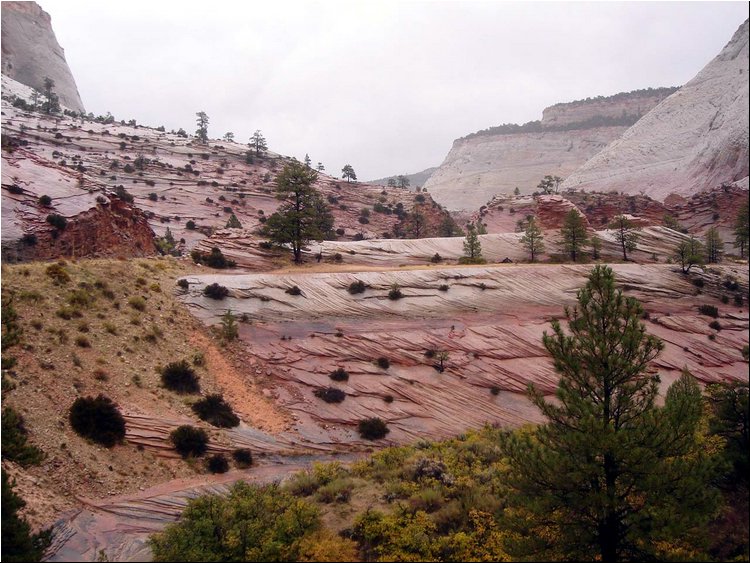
500	159
695	139
416	180
31	52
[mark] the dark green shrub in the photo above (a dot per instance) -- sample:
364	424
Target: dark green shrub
339	375
294	290
443	287
708	310
436	259
29	239
716	325
183	283
372	428
356	287
153	197
57	221
189	441
215	291
45	200
15	438
738	299
97	419
243	457
383	362
180	378
216	411
217	463
395	293
495	390
698	282
123	194
330	394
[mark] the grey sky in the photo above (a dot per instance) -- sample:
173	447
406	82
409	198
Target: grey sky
384	86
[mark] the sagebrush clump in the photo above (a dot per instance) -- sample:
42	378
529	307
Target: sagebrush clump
189	441
216	411
97	419
180	378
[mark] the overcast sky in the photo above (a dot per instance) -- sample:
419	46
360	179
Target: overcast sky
384	86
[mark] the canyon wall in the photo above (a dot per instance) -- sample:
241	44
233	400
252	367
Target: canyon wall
31	52
695	139
500	159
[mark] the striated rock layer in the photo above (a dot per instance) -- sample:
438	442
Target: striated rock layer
695	139
503	158
31	52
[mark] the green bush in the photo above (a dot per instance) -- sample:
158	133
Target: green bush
180	377
243	457
330	394
395	293
15	445
183	283
45	200
383	362
356	287
57	221
372	428
294	290
217	463
339	374
269	521
708	310
215	291
189	441
338	490
216	411
97	419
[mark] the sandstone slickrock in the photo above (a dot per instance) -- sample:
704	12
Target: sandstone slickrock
31	52
695	139
500	159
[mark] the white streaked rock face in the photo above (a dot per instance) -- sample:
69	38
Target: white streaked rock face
31	52
695	139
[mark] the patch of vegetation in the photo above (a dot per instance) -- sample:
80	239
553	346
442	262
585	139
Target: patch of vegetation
383	362
180	378
242	457
356	287
18	543
330	394
58	274
15	446
137	303
339	374
395	292
214	259
372	428
216	411
189	441
97	419
57	221
217	463
215	291
294	290
708	310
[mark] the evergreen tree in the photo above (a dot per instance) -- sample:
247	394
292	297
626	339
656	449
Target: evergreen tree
714	246
626	234
391	182
596	247
472	247
516	191
303	216
202	132
258	142
348	172
320	167
689	253
611	476
574	234
18	543
532	239
229	136
742	229
549	184
402	181
233	222
52	103
307	161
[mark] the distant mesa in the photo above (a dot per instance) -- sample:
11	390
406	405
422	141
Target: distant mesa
499	159
31	52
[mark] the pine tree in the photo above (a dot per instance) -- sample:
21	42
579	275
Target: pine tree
403	181
742	229
307	161
229	136
303	216
689	253
52	103
549	184
626	234
714	246
258	142
611	476
233	222
18	543
472	247
532	239
391	182
348	172
596	247
320	167
202	132
574	234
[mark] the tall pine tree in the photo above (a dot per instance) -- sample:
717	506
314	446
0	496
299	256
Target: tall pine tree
574	234
532	239
742	229
611	476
